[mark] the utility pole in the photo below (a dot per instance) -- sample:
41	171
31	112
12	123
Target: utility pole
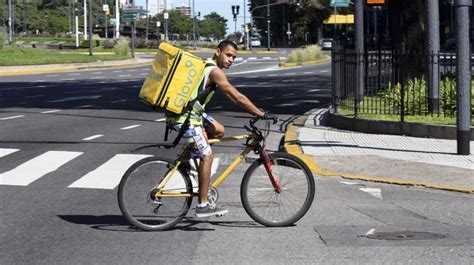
10	29
247	41
268	25
90	26
85	19
433	53
359	46
194	29
117	19
147	21
463	80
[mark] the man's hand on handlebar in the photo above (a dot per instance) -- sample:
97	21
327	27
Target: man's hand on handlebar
269	116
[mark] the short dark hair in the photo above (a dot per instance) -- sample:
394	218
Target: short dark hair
226	43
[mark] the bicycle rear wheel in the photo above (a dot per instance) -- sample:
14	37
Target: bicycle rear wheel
137	190
269	207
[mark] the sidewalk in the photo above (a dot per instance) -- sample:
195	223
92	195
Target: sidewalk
395	159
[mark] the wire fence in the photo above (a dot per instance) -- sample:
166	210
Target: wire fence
395	83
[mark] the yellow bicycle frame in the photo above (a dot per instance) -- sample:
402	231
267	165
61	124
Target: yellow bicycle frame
222	176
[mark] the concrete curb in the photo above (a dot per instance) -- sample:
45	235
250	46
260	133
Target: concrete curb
292	145
286	65
56	68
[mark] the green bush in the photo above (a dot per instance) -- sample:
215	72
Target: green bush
108	44
416	97
122	47
85	43
310	53
3	36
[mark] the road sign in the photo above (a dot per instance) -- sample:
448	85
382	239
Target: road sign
340	3
105	8
132	13
113	21
166	15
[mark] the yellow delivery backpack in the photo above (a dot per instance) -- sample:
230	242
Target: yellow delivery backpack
173	77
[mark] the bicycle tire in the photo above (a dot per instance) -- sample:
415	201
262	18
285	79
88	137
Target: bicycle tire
135	198
270	208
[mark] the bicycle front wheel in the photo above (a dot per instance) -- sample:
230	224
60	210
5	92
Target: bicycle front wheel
270	207
138	199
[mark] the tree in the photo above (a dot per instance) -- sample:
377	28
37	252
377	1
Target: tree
213	26
305	20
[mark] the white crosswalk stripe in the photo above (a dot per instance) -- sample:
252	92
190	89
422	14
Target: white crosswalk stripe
7	151
105	176
108	175
37	167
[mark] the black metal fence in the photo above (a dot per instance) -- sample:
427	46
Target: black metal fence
395	83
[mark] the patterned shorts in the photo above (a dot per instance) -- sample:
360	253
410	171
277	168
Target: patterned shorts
195	134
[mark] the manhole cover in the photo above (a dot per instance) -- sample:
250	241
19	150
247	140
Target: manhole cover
404	235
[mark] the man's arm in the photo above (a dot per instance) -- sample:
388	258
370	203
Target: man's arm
218	77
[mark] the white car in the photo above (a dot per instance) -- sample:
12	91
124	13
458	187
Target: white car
255	42
326	43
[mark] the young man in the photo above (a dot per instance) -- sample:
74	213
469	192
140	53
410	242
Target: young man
204	127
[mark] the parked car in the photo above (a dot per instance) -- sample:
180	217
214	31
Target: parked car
326	43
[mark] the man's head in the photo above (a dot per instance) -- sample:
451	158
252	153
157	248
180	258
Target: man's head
225	54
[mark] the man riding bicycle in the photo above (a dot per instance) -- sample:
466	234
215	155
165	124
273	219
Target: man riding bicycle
203	127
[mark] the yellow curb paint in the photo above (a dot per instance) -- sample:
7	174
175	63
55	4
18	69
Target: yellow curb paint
292	146
286	65
69	69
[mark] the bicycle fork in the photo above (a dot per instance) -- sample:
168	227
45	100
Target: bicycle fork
267	162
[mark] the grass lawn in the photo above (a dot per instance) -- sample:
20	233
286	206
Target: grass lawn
44	40
29	56
434	119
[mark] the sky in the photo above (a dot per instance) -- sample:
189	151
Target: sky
222	7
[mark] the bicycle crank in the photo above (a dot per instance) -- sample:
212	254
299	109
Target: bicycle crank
212	196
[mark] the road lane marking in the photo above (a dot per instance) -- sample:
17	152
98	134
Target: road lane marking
97	73
118	101
314	90
37	167
130	127
290	74
35	96
66	99
307	73
272	75
84	106
116	71
324	71
7	151
377	193
52	75
108	175
160	120
124	75
12	117
51	111
75	74
69	79
252	58
92	137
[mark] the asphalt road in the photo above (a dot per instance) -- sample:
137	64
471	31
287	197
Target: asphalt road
66	139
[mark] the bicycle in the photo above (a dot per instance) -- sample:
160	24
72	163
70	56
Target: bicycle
277	189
